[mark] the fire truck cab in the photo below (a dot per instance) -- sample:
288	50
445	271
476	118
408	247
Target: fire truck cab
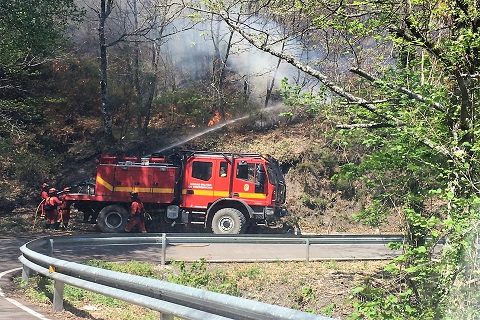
223	191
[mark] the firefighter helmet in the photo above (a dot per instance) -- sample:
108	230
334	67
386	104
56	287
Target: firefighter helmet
134	194
52	190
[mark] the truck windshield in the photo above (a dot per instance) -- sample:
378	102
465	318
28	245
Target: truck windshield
274	176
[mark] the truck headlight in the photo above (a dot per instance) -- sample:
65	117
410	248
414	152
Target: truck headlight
269	211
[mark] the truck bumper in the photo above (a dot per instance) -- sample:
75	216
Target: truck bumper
275	213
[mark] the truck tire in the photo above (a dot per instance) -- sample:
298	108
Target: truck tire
112	219
228	221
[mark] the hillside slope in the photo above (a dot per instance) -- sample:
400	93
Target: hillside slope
309	156
307	148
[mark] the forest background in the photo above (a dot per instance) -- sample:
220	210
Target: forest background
370	106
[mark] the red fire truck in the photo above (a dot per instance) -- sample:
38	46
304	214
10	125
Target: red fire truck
223	191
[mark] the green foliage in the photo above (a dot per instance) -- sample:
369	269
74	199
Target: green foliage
319	162
374	215
464	298
33	29
327	311
304	296
423	159
251	273
132	267
184	106
28	174
196	275
377	303
299	100
315	203
32	32
332	265
38	288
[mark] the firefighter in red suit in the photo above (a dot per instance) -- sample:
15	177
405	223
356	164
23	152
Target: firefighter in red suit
52	213
64	211
44	196
137	212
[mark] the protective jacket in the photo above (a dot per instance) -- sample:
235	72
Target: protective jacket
137	208
44	196
137	217
52	216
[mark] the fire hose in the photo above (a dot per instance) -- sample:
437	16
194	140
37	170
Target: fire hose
36	214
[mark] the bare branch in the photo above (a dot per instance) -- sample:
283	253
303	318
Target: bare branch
308	70
363	125
374	102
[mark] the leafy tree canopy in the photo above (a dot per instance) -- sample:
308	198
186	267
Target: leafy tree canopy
406	74
33	30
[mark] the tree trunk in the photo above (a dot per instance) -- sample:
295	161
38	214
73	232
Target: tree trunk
106	108
219	66
272	84
152	88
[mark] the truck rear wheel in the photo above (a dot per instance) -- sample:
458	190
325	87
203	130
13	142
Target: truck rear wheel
113	218
228	221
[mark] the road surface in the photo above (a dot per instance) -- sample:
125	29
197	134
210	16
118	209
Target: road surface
15	308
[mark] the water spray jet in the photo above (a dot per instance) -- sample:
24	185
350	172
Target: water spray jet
211	129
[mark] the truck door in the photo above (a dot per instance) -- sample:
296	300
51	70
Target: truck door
249	182
199	181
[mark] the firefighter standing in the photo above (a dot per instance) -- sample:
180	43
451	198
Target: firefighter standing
137	213
64	210
51	210
44	196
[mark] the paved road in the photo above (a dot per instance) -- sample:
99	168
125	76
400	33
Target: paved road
10	267
226	252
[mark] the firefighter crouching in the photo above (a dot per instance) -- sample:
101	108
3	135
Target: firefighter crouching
137	214
51	210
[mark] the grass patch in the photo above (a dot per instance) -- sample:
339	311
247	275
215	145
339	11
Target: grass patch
137	268
196	275
317	287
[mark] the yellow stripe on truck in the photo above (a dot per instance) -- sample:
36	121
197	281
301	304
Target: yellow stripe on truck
224	194
252	195
104	183
209	193
146	190
109	187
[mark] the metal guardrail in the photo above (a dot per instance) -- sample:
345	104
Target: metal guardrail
302	246
171	300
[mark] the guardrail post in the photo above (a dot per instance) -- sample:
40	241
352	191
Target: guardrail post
26	273
58	296
50	247
164	252
307	243
165	316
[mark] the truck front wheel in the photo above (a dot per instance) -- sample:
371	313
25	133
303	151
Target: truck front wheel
113	218
228	221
